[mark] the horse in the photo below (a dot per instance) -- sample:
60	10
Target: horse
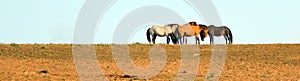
167	30
219	31
191	29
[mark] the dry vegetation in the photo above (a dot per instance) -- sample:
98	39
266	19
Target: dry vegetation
243	62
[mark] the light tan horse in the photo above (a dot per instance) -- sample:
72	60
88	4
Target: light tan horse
191	29
162	31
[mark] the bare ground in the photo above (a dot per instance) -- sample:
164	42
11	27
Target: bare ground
243	62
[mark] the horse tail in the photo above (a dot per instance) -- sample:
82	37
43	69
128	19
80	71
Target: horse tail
230	34
177	35
148	35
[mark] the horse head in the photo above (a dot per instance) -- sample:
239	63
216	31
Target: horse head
203	32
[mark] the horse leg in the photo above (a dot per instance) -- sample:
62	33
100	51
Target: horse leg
211	39
225	38
174	39
168	40
197	40
178	41
183	39
153	39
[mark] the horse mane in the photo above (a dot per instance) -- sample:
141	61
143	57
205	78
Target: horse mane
218	26
202	25
211	26
193	23
171	25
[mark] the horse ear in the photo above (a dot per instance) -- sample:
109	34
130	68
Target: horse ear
191	23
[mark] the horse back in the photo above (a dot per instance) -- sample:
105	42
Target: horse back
186	29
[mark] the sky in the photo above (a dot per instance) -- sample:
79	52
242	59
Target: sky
53	21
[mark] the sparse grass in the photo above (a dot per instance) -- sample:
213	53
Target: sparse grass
43	47
13	44
243	62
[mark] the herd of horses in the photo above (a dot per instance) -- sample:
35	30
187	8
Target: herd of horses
179	33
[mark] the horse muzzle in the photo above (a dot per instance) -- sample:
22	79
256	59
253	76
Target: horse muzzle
202	39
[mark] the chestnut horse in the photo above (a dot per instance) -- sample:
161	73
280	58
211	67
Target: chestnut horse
191	29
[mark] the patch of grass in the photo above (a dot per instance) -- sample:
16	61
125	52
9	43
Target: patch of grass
43	47
55	74
137	43
136	78
13	44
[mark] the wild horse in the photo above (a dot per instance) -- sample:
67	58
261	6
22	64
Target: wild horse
191	29
167	30
219	31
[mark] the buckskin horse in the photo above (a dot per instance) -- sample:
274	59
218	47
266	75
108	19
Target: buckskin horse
191	29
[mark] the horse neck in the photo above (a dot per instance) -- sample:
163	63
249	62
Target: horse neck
174	28
196	28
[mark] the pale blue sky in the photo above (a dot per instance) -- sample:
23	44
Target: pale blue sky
53	21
